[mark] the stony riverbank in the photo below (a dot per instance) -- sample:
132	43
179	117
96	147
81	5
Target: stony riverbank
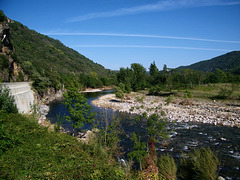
178	110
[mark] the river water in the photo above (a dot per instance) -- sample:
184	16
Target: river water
224	141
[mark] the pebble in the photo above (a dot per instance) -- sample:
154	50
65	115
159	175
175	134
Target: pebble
204	112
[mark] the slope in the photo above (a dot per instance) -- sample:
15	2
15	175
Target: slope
228	62
43	60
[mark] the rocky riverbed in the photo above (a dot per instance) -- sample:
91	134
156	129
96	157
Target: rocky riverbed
178	110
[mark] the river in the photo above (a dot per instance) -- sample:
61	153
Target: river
225	141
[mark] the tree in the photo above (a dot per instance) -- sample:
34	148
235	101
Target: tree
78	108
139	150
165	69
221	76
7	101
139	77
153	69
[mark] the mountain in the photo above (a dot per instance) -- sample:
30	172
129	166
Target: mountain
229	62
41	59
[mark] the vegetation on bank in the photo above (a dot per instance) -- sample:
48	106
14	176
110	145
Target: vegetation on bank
30	151
169	81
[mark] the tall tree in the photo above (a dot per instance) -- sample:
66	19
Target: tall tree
78	108
139	77
153	69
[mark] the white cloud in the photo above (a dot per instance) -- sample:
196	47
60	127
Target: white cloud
141	36
159	6
152	47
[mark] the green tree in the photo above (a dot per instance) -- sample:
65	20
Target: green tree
139	77
221	76
139	150
7	101
78	108
165	69
153	69
156	126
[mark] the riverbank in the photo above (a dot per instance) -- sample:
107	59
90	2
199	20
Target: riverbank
178	110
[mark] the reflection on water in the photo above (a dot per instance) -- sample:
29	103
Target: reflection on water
225	141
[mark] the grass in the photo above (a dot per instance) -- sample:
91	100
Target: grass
167	167
200	164
209	91
37	153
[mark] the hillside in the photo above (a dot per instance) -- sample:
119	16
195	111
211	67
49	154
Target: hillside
229	62
44	60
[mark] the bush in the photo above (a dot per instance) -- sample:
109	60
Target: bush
42	154
167	167
6	101
201	164
224	93
169	99
188	94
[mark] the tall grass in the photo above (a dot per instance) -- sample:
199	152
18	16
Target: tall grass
201	164
167	167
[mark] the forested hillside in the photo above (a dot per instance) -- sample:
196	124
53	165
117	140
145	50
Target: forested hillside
46	61
229	62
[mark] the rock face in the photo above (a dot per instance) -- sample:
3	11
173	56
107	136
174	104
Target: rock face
12	72
23	95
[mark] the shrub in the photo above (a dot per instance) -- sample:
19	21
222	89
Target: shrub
201	164
167	167
224	93
169	99
188	94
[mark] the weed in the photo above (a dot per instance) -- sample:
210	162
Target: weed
201	164
167	167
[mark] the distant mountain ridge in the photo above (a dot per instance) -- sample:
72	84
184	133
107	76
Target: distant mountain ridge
229	62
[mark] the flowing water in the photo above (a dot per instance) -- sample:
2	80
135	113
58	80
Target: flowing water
224	141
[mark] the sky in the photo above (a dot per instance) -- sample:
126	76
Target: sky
117	33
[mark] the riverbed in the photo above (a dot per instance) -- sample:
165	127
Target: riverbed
223	140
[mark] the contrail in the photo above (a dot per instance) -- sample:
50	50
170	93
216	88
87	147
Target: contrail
163	5
141	36
142	46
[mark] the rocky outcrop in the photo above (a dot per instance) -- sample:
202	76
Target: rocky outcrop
49	95
13	72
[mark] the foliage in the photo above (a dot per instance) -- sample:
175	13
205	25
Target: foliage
7	139
188	94
224	93
201	164
224	62
42	154
167	167
4	62
153	70
156	126
43	58
139	150
2	16
78	108
7	101
169	99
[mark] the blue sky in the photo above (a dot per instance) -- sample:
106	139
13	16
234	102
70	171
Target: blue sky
116	33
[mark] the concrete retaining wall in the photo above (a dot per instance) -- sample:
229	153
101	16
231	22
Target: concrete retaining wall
23	95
